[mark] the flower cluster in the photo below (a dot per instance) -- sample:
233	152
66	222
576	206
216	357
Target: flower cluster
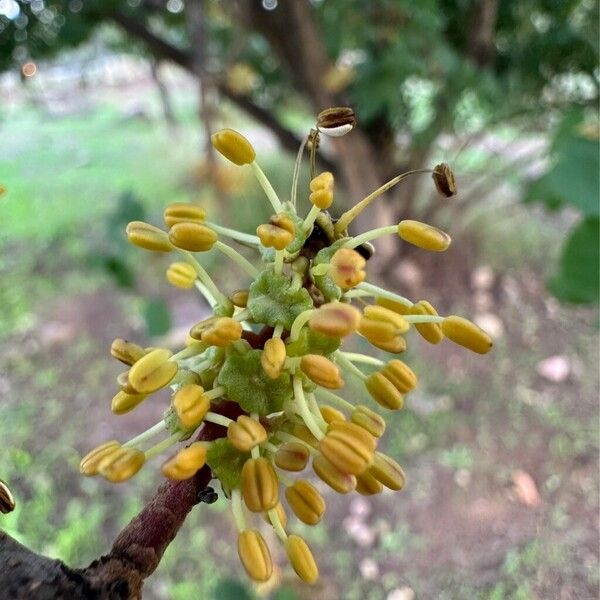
254	392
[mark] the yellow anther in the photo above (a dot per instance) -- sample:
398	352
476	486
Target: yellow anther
384	392
301	559
181	275
280	513
394	346
308	505
444	180
254	554
239	298
368	419
194	237
123	382
198	329
121	464
432	332
401	375
347	268
321	188
123	402
303	432
465	333
153	371
183	212
331	414
321	371
89	463
385	315
336	121
397	307
233	146
323	181
367	485
335	319
222	332
148	237
125	351
191	405
387	471
273	357
260	486
342	483
292	456
245	433
424	236
277	233
348	447
186	463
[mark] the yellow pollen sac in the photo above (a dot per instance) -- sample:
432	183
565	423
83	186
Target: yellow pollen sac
401	375
198	329
254	554
347	268
153	371
7	502
394	346
280	513
194	237
397	307
303	432
186	463
342	483
367	485
331	414
239	298
335	319
308	505
321	371
191	405
465	333
292	456
346	451
122	464
125	351
384	392
321	188
181	275
183	212
336	121
432	332
277	233
245	433
233	146
273	357
260	486
388	472
123	402
381	314
444	180
89	463
424	236
368	419
222	332
301	559
148	237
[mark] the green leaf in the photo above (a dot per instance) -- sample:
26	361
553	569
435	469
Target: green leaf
226	463
247	384
273	299
578	279
157	317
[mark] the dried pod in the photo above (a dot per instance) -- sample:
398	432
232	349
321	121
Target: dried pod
7	502
444	180
337	121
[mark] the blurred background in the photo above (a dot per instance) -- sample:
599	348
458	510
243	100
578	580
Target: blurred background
105	111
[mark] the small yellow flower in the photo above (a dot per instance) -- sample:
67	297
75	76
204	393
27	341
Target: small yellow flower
148	237
292	456
181	275
335	319
347	268
260	486
465	333
301	559
321	371
153	371
273	357
424	236
183	212
245	433
254	554
308	505
277	233
191	236
233	146
186	463
191	405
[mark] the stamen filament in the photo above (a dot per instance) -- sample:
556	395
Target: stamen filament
376	291
296	175
302	406
265	184
288	437
236	257
278	330
164	445
192	350
314	409
278	265
423	318
207	295
363	358
217	419
373	234
311	218
269	447
299	323
215	392
142	437
277	526
242	315
238	510
352	213
348	366
331	397
205	278
239	236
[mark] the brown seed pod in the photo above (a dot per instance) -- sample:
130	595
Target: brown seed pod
7	502
337	121
444	180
